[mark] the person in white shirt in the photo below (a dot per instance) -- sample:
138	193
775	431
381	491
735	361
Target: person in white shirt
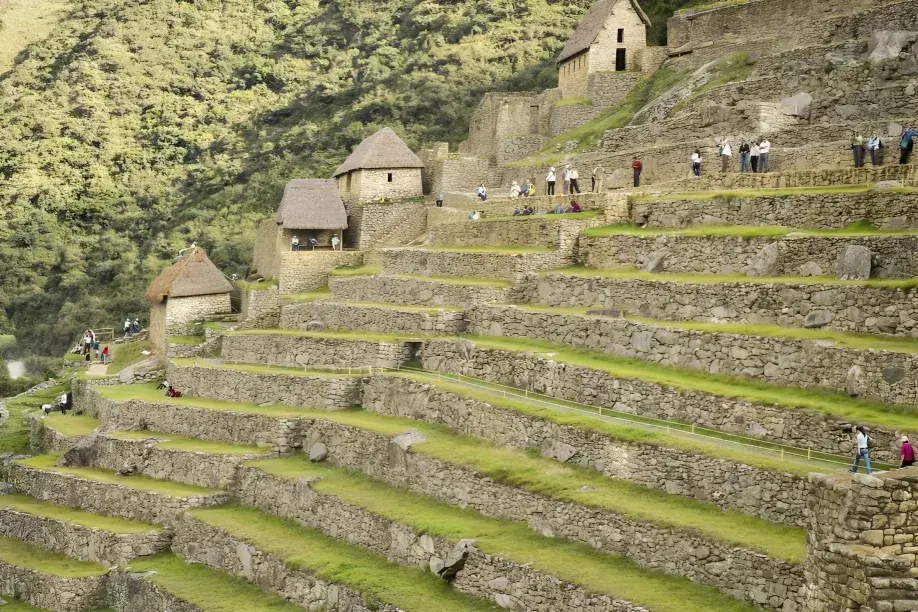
764	150
873	145
336	243
696	163
863	449
514	190
725	154
550	181
575	177
295	243
482	192
754	153
566	178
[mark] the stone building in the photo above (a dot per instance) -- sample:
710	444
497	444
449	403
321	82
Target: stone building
310	208
186	291
611	37
382	167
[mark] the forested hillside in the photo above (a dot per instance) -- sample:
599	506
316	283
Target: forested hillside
136	127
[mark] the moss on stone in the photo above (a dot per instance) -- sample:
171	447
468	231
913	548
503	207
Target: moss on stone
16	552
30	505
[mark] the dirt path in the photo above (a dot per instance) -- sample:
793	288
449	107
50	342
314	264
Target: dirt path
23	22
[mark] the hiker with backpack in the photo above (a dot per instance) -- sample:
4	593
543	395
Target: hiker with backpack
863	449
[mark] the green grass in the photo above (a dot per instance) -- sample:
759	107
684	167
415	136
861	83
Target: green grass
730	69
497	283
263	369
16	552
860	229
706	6
16	605
259	286
358	271
405	308
184	443
124	355
353	336
7	340
148	393
574	102
210	590
409	588
30	505
508	249
311	296
707	279
186	340
47	463
14	432
597	572
74	357
70	425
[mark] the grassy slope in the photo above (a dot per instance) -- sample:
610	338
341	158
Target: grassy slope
71	425
31	505
184	443
260	369
14	433
546	477
17	552
411	589
578	563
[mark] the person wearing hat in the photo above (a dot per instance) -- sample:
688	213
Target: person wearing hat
907	452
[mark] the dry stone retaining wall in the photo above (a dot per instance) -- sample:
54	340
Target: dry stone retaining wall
388	224
79	542
341	315
309	270
320	392
543	375
462	264
512	585
260	308
537	231
885	375
772	495
412	292
133	592
313	352
847	307
43	439
50	592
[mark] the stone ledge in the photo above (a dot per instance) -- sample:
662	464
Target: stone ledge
343	315
546	231
463	264
413	292
314	352
51	592
129	592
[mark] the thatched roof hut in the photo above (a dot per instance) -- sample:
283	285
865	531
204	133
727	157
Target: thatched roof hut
591	25
192	275
384	150
312	204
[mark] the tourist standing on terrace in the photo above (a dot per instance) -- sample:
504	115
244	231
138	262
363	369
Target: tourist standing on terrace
863	450
550	181
596	178
696	163
336	243
907	452
764	150
575	181
874	145
754	153
638	167
482	192
295	243
906	144
857	149
744	157
725	154
566	181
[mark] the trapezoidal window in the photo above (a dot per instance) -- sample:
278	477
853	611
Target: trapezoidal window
620	60
390	177
621	35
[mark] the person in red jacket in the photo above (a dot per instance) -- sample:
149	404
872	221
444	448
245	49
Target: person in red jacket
637	166
907	452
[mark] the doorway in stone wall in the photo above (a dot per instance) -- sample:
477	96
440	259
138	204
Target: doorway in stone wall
534	119
620	60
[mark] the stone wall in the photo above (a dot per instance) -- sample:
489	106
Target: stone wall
301	390
573	75
337	315
538	231
503	115
848	307
131	592
201	543
824	177
566	118
609	88
269	244
683	552
892	256
158	325
884	375
602	51
187	309
772	495
385	184
510	584
801	211
861	542
419	262
313	352
412	292
309	270
540	373
513	148
80	542
457	173
44	439
261	309
50	592
385	224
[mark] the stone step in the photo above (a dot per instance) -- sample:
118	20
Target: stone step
324	390
508	263
820	208
168	456
740	251
872	307
420	291
491	558
339	350
78	534
309	568
375	318
869	366
554	232
50	580
105	492
56	432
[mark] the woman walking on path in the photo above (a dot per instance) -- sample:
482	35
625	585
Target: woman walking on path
696	163
863	450
550	181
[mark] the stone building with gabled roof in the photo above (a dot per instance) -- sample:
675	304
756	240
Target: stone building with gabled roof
382	167
611	37
190	289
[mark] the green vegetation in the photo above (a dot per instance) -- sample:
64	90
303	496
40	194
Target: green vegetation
312	296
70	425
184	443
326	335
207	589
509	249
30	505
730	69
497	283
124	355
596	571
14	432
754	193
707	6
410	588
16	552
358	271
148	393
587	214
263	285
16	605
47	463
263	369
405	308
574	102
186	340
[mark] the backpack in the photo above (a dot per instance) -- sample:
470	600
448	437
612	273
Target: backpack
870	443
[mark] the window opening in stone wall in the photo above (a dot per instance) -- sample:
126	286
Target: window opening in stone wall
621	35
348	187
619	60
390	177
533	118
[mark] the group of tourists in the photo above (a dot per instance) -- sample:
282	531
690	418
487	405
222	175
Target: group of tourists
875	147
312	243
570	181
864	443
90	345
131	328
753	157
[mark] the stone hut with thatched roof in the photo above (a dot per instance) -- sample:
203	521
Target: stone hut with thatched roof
190	289
382	167
612	37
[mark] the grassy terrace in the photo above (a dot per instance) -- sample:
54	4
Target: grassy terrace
30	505
18	553
311	296
580	564
207	589
261	369
746	231
259	286
540	476
493	250
46	463
461	281
70	425
345	271
16	605
713	279
183	443
587	214
14	433
186	340
399	307
756	193
411	589
353	336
